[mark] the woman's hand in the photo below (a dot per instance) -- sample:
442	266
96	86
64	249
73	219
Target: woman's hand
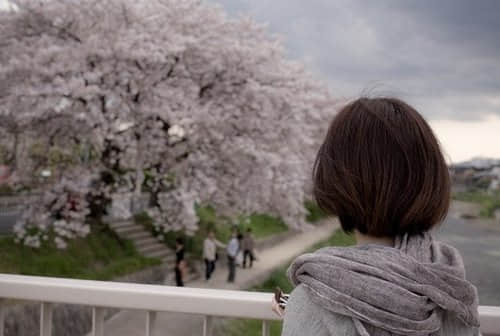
279	302
276	308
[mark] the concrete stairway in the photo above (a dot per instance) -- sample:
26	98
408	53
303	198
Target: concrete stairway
143	240
149	246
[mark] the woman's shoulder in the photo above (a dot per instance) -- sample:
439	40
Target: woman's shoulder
304	317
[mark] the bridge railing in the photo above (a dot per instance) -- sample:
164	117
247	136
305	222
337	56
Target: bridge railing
211	303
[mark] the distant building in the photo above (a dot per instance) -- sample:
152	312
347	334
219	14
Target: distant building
495	182
478	173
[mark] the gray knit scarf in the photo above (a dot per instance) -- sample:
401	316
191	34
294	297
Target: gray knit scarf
402	290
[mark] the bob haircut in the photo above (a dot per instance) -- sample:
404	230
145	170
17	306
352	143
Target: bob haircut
381	171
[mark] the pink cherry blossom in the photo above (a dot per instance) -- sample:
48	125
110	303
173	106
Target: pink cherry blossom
167	97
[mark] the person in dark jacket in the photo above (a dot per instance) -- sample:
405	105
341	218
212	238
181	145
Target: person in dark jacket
248	244
180	263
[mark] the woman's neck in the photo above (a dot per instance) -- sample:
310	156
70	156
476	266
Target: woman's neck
362	239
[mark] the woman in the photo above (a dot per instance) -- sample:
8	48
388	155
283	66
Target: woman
380	170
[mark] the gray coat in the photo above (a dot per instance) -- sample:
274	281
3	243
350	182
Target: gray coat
304	317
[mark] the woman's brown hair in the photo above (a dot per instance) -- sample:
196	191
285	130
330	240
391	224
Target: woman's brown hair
381	170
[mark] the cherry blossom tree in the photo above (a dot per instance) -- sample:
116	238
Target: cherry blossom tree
171	97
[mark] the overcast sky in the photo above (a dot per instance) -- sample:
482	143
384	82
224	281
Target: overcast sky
441	56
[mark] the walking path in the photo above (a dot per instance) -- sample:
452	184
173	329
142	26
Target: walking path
132	323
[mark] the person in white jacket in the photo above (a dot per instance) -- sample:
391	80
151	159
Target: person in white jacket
210	245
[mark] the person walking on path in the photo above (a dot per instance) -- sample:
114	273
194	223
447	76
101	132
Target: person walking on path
180	263
210	245
248	246
232	251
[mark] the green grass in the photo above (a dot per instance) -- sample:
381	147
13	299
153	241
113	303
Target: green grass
262	225
99	256
489	202
279	279
314	213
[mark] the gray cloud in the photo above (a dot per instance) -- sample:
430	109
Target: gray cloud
442	56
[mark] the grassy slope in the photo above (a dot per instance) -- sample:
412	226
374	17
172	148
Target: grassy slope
264	225
99	256
278	278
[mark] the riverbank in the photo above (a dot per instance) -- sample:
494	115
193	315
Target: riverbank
480	203
469	212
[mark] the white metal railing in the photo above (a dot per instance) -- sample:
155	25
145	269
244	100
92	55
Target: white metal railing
152	298
149	298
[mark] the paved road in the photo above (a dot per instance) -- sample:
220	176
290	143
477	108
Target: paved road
479	243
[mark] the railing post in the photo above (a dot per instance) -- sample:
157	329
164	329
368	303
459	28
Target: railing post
97	321
46	319
150	323
2	317
207	325
266	331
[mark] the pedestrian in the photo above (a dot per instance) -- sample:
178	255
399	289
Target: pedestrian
180	263
248	246
210	245
232	251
